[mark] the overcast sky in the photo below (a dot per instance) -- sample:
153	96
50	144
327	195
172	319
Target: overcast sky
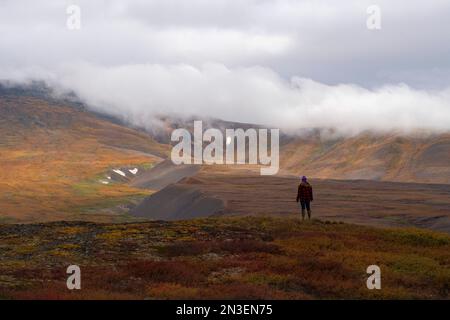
285	63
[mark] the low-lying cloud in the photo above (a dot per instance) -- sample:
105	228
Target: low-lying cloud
139	93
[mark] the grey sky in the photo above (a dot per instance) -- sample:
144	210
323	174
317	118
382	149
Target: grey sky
166	43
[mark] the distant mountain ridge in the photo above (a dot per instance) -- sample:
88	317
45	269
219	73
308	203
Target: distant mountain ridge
374	156
422	158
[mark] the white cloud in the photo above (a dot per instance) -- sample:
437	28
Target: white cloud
252	94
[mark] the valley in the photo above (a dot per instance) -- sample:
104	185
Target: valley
62	162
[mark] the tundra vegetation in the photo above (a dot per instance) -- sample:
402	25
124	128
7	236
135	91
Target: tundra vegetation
227	257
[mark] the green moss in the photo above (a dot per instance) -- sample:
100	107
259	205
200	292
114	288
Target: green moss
416	265
147	166
58	252
26	249
86	188
418	237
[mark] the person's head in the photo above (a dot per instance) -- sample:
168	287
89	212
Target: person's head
304	179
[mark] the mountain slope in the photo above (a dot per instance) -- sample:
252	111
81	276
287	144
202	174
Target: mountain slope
53	157
422	158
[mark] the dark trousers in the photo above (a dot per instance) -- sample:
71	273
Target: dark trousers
305	205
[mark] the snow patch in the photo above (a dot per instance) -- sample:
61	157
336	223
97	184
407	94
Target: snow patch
120	172
134	171
104	182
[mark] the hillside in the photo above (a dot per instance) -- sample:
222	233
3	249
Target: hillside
55	157
421	158
227	258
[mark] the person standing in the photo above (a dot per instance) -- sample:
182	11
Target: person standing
305	197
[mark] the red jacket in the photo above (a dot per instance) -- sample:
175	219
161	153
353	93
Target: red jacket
305	192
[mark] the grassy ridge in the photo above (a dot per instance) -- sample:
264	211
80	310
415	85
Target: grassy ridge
245	257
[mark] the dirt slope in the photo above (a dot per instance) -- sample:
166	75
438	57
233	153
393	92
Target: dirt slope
178	202
163	174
